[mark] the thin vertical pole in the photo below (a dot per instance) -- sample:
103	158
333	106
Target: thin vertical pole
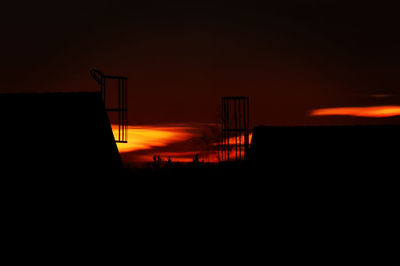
244	127
222	129
225	132
101	88
104	91
228	129
122	110
126	109
119	110
240	130
221	140
248	126
236	129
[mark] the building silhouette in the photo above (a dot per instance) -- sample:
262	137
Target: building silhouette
322	150
51	134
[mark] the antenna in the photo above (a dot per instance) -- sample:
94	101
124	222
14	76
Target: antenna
122	107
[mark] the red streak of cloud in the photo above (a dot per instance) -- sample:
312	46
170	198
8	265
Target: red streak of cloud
370	111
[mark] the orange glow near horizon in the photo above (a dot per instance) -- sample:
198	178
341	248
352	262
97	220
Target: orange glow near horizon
182	157
175	141
147	137
370	111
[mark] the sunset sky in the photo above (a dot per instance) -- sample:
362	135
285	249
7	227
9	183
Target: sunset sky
290	57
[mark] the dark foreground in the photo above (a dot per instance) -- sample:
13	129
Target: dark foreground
227	214
307	196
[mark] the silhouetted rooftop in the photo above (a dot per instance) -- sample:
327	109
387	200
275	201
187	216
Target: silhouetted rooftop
55	133
328	146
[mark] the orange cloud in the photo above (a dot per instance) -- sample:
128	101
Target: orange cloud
370	111
147	137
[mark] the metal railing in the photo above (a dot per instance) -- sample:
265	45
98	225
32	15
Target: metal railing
122	107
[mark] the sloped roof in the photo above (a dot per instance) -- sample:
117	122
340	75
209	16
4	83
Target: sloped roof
57	133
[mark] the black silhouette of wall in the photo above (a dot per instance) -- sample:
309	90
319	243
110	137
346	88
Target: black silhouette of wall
326	149
57	133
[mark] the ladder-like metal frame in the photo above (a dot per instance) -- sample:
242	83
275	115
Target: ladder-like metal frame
237	110
122	108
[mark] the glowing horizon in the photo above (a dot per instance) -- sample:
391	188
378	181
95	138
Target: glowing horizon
147	137
170	140
368	111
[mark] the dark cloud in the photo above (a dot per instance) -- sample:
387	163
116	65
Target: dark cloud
182	56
